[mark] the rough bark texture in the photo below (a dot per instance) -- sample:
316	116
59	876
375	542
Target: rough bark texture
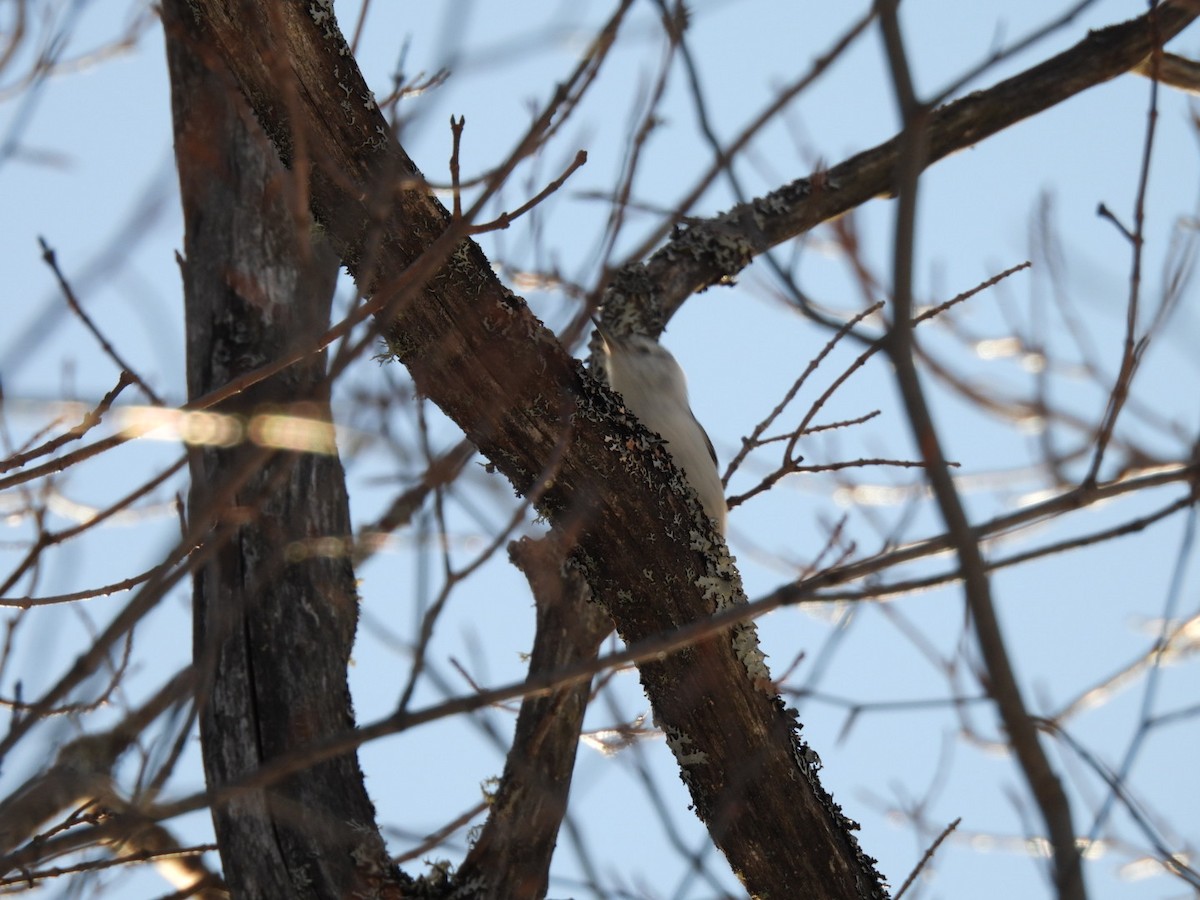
275	610
697	257
475	350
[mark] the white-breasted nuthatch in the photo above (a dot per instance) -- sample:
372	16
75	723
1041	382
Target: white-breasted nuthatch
654	388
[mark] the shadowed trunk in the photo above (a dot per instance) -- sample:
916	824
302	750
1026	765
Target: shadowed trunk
275	605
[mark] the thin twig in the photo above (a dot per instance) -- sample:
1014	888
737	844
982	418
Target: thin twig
1134	347
912	876
456	130
507	218
69	294
90	421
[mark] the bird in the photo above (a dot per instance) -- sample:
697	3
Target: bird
654	389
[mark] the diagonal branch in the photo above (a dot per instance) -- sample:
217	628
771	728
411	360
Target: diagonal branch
712	251
475	349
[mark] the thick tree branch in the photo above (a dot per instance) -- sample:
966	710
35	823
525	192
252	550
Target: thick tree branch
713	251
475	349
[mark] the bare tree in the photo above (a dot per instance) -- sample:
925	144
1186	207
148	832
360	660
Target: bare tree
289	167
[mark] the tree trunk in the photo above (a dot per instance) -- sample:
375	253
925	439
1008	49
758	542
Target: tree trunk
275	607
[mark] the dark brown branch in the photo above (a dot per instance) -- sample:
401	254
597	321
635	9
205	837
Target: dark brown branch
50	538
102	591
926	857
474	348
1134	346
712	251
456	130
505	219
1076	498
513	852
898	588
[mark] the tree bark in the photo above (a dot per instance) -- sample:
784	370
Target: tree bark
474	348
512	856
645	545
275	607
